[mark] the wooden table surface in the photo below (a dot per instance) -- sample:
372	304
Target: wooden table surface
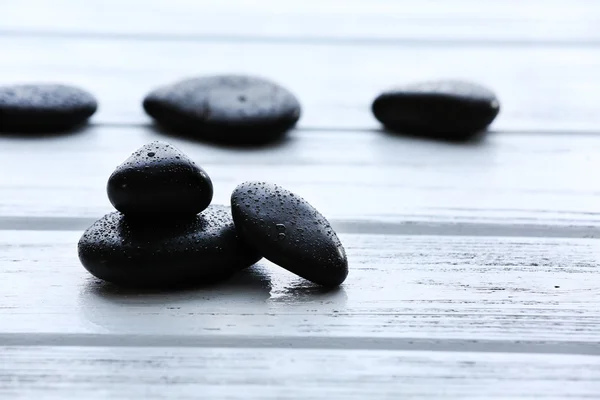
474	268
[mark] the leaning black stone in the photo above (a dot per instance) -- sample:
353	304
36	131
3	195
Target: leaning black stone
289	232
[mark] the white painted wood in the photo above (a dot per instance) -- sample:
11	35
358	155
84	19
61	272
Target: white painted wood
224	373
508	178
540	88
560	21
470	273
505	290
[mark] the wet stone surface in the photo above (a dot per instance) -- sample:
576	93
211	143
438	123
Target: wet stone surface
449	109
289	232
229	109
40	108
159	179
153	253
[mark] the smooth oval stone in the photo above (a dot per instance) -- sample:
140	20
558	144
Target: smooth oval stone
159	179
202	249
446	109
232	109
289	232
44	107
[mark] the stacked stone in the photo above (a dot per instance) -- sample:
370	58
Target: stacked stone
166	233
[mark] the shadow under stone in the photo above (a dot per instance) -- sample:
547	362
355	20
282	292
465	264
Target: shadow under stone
43	133
120	310
251	279
273	141
459	139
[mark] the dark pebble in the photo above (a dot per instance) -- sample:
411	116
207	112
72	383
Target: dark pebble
159	179
230	109
44	108
200	250
289	232
444	109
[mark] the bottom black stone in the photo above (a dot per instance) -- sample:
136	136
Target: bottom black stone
161	253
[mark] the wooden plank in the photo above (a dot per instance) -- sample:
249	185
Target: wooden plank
501	290
509	178
336	84
220	373
508	317
557	21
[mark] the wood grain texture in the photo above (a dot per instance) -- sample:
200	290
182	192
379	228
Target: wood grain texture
218	373
503	290
352	22
516	179
540	88
472	271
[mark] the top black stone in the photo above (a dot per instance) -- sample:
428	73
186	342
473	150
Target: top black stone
288	231
232	109
44	107
450	109
159	179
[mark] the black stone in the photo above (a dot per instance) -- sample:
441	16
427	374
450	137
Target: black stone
200	250
445	109
289	232
159	179
44	108
231	109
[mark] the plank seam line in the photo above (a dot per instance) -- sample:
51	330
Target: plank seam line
369	129
349	226
301	40
299	342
